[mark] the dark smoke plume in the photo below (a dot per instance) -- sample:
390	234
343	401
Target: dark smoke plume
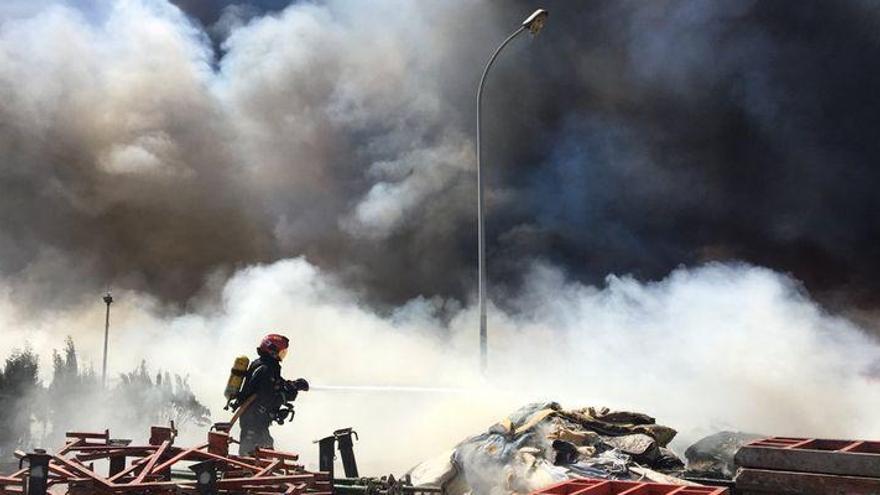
154	146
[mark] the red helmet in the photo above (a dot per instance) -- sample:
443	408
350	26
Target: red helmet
273	343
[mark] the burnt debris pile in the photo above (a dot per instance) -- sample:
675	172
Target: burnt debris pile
542	443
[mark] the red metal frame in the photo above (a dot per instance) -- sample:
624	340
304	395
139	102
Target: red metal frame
267	472
809	465
587	486
853	446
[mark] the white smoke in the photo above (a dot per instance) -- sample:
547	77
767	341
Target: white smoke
721	346
300	83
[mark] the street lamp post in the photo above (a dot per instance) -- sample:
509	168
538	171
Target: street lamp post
108	299
533	23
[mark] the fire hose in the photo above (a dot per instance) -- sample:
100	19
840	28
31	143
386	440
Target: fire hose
390	388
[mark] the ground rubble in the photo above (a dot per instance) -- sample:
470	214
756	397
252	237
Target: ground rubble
542	443
712	457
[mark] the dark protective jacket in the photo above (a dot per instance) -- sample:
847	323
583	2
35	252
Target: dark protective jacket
264	380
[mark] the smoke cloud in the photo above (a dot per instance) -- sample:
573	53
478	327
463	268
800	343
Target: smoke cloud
716	347
159	147
234	168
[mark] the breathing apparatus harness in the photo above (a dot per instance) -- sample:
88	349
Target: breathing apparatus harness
288	391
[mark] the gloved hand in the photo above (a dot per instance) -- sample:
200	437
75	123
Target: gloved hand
285	413
300	384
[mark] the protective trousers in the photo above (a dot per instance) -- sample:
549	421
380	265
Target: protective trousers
254	432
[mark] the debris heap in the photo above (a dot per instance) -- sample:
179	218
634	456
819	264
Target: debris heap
160	468
541	444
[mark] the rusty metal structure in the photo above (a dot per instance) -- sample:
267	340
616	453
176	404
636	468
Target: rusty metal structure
160	468
588	486
777	465
385	485
808	466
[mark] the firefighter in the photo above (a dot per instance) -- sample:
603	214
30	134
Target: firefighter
273	394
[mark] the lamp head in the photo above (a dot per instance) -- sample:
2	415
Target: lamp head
536	21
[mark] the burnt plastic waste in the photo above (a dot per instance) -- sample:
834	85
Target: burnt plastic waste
566	453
